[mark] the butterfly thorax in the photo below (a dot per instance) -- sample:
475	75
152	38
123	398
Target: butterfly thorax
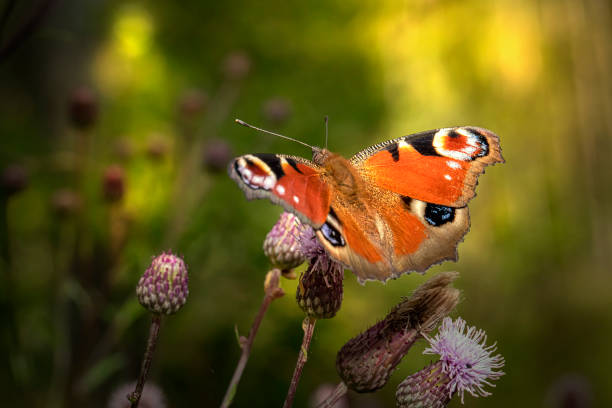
342	175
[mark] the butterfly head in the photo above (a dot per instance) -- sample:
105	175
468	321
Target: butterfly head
320	155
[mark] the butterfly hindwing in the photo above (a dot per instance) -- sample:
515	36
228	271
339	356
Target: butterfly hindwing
394	234
292	182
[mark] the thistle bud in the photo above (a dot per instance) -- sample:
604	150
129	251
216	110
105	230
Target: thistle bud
83	108
427	388
236	65
192	102
113	183
163	288
320	290
282	244
465	364
66	202
157	147
217	154
571	390
14	179
366	362
277	110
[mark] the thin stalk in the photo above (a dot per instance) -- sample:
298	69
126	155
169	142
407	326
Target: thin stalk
337	393
134	397
308	327
273	291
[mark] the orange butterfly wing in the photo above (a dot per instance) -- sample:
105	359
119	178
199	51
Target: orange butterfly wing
417	190
439	166
292	182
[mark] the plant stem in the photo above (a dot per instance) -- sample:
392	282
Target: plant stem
332	398
308	326
134	397
273	291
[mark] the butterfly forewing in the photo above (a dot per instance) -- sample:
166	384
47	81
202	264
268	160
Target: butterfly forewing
439	166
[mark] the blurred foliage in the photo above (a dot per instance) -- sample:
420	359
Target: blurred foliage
117	117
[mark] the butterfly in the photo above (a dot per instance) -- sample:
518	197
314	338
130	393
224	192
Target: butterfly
395	207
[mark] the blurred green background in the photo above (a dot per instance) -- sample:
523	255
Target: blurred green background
116	121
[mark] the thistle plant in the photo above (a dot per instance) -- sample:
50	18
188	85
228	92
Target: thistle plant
162	290
319	295
282	248
366	362
466	364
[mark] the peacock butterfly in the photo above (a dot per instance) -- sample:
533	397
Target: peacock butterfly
394	207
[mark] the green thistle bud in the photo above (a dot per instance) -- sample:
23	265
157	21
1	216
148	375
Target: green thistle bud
366	362
282	244
163	288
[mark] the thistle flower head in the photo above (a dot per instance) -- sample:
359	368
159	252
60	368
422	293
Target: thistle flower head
320	291
366	362
465	358
314	251
282	244
163	287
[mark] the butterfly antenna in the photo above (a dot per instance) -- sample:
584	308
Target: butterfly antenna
243	123
326	130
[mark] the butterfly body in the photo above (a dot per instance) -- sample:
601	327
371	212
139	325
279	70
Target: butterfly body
395	207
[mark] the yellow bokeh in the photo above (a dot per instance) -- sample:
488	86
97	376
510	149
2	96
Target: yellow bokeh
129	60
132	32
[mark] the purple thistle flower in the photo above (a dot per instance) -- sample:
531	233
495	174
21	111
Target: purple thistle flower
467	362
314	251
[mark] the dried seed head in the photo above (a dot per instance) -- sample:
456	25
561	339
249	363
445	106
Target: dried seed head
163	288
366	362
282	244
426	388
